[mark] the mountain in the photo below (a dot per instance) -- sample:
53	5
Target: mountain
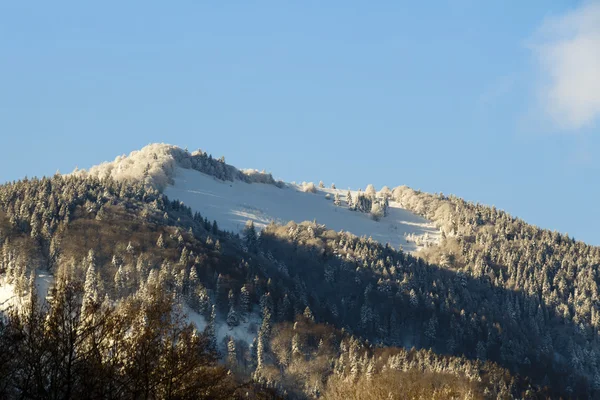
170	274
233	197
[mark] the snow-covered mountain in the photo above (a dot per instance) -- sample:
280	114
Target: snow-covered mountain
230	196
96	245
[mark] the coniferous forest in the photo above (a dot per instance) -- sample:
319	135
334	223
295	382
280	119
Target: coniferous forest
150	300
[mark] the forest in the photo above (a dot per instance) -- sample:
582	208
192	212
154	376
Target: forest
499	309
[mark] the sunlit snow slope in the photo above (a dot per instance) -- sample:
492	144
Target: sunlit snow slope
231	204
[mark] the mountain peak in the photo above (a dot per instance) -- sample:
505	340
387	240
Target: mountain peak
155	165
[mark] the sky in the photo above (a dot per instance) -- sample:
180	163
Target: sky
495	102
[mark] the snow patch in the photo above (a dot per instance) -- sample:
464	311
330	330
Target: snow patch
231	204
43	281
7	296
10	300
246	331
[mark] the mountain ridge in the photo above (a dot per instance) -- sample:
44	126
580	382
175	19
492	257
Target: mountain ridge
506	308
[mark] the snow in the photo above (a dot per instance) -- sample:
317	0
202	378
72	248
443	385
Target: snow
170	169
195	318
8	298
231	204
43	280
155	164
246	331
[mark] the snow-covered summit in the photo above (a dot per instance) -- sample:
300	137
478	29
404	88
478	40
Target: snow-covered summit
230	196
155	165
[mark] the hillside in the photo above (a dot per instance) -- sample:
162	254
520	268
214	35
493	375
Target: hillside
232	196
309	301
232	204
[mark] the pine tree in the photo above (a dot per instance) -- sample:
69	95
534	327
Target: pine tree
308	314
349	201
193	278
370	191
231	353
370	370
91	295
336	199
232	315
184	259
249	233
232	318
260	356
377	211
244	301
120	280
211	330
203	300
296	348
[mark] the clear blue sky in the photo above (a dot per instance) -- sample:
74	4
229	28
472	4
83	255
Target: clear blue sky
464	97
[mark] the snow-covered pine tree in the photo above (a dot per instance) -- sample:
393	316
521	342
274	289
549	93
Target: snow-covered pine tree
232	315
370	191
350	201
244	301
91	294
336	199
308	314
231	353
120	280
211	330
377	212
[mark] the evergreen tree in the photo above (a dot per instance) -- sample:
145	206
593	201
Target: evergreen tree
231	353
370	191
349	200
232	315
336	199
244	301
308	314
91	294
249	233
211	330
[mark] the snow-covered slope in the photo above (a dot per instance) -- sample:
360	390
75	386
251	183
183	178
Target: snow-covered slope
232	204
230	196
